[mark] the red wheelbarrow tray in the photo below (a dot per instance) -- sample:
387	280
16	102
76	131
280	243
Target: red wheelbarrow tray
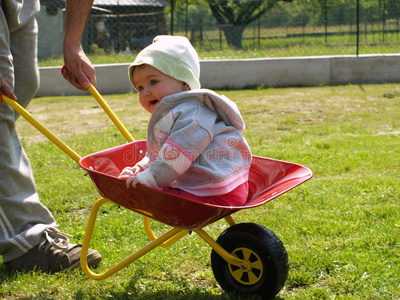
268	179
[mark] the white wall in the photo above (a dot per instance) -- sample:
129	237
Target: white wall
239	74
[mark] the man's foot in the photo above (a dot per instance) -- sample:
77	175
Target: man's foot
54	253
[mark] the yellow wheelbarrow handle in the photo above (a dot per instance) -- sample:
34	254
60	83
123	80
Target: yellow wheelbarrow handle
111	114
107	109
22	111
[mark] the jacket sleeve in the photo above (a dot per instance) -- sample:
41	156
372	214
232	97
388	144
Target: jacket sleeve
146	178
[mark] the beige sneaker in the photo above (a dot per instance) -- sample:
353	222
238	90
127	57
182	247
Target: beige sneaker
54	253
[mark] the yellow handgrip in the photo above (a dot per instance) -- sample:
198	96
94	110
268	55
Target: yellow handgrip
110	113
22	111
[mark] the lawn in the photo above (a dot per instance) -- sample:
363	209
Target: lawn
341	229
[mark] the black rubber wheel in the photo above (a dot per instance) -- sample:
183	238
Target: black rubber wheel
264	252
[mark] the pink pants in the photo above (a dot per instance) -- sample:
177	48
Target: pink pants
237	197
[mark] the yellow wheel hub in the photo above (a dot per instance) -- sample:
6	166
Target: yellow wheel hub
253	273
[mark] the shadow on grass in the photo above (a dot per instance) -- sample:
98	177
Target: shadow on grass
6	275
132	290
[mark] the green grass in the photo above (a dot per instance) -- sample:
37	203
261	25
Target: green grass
274	44
266	49
341	229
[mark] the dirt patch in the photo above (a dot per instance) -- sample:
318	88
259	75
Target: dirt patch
67	116
61	121
274	109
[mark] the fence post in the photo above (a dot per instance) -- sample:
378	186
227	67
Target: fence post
383	20
326	22
118	44
358	26
186	18
172	17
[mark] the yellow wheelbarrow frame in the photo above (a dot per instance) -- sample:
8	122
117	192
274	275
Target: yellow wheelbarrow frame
165	240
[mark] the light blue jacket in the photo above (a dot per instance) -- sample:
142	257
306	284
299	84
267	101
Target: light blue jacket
195	143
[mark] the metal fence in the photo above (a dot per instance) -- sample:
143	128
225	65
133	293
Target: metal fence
268	27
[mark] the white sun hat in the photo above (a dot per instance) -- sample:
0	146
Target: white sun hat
172	55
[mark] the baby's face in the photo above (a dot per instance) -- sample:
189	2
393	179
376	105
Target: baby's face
153	86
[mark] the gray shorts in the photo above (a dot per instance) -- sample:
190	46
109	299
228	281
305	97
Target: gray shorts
22	217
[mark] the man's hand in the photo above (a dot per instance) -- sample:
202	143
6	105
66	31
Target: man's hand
79	70
6	89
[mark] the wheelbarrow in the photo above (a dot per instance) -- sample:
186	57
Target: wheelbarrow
246	258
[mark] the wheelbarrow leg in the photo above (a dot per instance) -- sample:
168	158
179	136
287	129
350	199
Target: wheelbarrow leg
88	236
152	236
230	220
233	260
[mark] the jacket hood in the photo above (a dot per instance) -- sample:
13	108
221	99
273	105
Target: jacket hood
225	108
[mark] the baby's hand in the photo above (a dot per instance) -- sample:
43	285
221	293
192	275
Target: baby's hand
128	172
132	181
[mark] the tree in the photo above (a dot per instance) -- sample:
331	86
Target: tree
393	10
234	15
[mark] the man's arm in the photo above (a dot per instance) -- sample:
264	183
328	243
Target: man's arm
79	70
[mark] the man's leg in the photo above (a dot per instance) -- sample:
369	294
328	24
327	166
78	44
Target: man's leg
28	237
22	217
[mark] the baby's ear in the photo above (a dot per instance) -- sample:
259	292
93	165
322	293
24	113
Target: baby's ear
186	87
